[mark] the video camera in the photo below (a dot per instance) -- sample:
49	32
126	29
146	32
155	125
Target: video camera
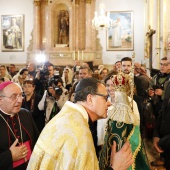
56	75
44	73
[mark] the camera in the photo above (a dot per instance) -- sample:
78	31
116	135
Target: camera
44	72
56	75
55	78
58	91
54	82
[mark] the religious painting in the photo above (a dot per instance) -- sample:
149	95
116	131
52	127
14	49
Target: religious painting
120	36
12	32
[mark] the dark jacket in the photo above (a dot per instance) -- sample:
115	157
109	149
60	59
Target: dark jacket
162	129
163	122
38	115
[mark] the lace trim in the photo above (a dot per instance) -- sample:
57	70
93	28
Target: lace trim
123	113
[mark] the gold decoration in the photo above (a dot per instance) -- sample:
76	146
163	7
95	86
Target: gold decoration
124	82
120	81
131	79
137	149
148	41
124	132
37	3
45	2
88	1
77	1
168	41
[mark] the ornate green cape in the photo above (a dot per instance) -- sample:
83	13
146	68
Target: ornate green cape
120	132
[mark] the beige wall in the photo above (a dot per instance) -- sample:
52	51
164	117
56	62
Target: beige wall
13	7
138	11
139	7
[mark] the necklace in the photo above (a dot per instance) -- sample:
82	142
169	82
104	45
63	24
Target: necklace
25	159
12	130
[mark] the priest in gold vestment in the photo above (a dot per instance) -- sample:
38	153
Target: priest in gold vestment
66	142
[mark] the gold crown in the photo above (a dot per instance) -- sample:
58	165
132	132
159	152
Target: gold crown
121	82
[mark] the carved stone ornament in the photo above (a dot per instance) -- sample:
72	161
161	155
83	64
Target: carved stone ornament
77	1
37	3
88	1
30	47
168	40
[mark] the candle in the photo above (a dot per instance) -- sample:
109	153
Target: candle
74	57
82	55
78	55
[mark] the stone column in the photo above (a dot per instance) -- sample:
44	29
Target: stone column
88	25
44	24
37	28
94	39
77	25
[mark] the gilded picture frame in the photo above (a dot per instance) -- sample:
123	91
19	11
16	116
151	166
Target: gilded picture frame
121	36
12	32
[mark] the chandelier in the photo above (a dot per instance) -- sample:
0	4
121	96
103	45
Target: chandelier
102	22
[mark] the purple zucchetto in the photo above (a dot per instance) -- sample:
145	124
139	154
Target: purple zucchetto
5	84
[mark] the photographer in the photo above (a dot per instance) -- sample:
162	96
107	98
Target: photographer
43	76
156	90
53	99
156	93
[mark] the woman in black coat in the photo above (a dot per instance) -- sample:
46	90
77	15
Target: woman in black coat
30	102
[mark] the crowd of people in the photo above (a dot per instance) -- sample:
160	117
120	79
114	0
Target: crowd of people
80	118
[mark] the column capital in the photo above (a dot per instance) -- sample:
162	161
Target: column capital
45	2
37	3
88	1
77	1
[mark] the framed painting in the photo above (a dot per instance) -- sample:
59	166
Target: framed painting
120	36
12	32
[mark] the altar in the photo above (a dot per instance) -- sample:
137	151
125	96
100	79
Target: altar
63	31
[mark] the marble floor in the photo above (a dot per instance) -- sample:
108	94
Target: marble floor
151	154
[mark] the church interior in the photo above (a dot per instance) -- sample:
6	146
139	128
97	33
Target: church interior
40	31
144	23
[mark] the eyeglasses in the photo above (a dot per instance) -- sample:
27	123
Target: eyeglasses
27	86
165	64
103	95
15	96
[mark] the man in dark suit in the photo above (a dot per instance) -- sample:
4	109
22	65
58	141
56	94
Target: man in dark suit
161	140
